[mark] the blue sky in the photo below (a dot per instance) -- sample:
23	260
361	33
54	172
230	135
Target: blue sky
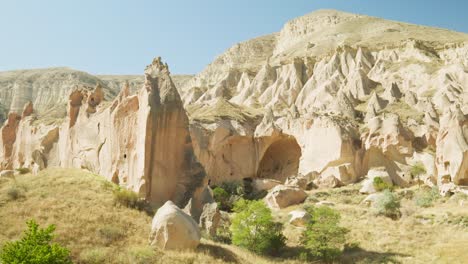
122	36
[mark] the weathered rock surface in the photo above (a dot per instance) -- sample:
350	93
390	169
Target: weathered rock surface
283	196
299	218
210	218
139	141
331	95
173	229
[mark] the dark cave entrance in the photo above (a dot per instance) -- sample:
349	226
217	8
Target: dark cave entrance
280	160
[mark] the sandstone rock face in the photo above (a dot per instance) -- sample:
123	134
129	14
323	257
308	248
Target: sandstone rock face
210	218
336	103
173	229
264	184
283	196
140	141
452	148
332	95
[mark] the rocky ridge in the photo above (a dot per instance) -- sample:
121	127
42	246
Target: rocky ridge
329	98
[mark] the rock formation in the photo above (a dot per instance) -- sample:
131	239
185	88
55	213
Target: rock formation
330	97
174	229
140	141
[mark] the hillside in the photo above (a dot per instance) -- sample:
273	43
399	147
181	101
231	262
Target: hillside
89	222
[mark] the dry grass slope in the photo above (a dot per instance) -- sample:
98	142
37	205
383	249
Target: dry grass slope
91	225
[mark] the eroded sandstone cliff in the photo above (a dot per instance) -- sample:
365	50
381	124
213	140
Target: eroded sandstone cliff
331	96
140	141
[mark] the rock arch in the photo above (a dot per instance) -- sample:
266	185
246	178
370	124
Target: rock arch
280	160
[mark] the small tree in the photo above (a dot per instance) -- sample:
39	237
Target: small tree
387	204
417	170
323	237
253	228
35	247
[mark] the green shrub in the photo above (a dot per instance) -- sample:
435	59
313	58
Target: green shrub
36	247
417	170
111	234
381	185
131	199
253	228
426	198
222	197
387	204
233	188
94	256
323	238
142	255
14	192
23	170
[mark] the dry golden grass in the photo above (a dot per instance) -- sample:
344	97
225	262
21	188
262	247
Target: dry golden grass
98	231
88	222
421	235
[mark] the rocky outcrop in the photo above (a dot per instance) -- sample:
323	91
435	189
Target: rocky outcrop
325	97
283	196
452	149
140	141
173	229
299	218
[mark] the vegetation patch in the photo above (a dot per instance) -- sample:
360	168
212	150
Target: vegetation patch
253	228
323	238
387	204
35	247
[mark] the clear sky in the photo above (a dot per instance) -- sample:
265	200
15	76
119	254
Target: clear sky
122	36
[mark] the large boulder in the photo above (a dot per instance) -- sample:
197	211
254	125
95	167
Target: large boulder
299	218
172	228
368	183
283	196
264	184
7	174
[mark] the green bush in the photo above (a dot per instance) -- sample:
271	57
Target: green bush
142	255
233	188
380	185
94	256
23	170
387	204
35	247
323	238
417	170
131	199
426	198
14	192
111	234
222	197
253	228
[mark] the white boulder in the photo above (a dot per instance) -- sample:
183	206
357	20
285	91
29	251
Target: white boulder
172	228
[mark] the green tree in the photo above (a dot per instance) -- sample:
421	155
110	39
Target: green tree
417	170
323	237
253	228
35	247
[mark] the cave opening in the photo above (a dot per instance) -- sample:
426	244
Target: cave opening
280	160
